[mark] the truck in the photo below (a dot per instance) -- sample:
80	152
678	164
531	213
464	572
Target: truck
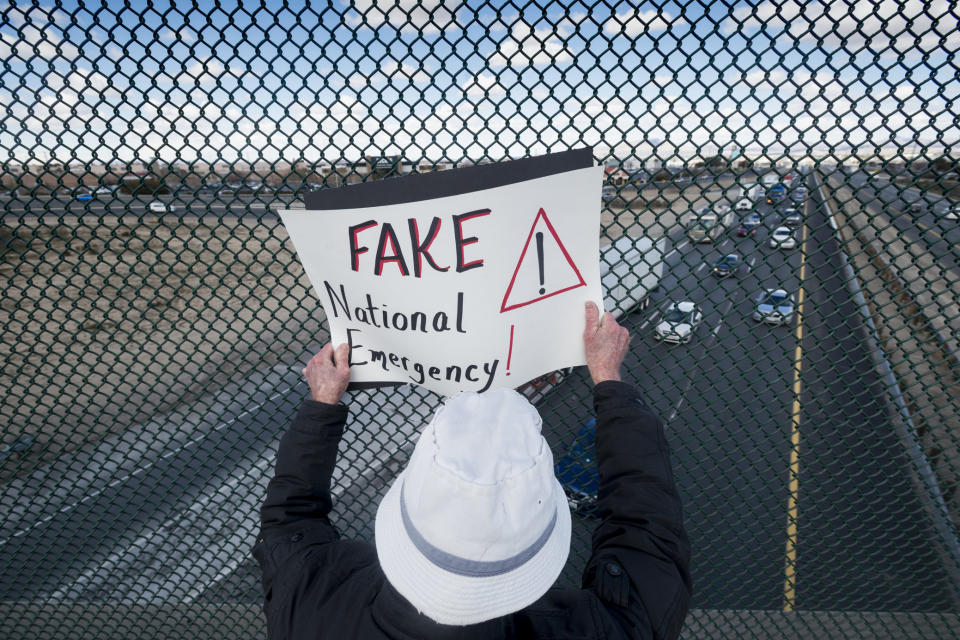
707	226
776	193
770	179
630	268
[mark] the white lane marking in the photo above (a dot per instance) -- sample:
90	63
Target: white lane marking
701	268
716	329
140	470
682	245
683	395
652	318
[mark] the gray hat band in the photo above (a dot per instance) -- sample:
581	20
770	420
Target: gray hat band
464	566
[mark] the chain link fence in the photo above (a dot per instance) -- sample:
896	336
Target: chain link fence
154	311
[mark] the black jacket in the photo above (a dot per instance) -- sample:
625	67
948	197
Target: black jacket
635	585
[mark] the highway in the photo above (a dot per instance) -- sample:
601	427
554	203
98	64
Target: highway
795	486
928	227
861	539
225	205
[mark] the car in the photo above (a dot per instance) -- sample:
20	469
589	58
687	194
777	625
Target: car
774	306
744	204
952	212
782	238
158	207
104	190
798	196
679	323
793	218
16	448
749	225
577	471
727	265
84	197
608	193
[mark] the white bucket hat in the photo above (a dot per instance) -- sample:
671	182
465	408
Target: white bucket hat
476	526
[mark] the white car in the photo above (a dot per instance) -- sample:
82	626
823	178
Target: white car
782	238
952	212
158	207
744	204
679	322
774	306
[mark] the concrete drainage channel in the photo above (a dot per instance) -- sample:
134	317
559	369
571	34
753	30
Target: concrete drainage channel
917	364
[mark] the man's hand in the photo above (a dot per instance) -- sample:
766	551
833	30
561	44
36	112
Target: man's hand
606	344
328	373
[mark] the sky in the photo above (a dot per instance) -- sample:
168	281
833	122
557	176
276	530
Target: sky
444	80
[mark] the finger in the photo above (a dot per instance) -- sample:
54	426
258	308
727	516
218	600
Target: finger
607	319
324	353
591	312
341	357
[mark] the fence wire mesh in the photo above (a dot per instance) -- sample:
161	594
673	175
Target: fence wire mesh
154	311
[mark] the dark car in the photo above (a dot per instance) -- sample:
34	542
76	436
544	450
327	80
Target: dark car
577	471
749	225
16	448
793	219
727	265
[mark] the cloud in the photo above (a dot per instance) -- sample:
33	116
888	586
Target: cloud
197	72
905	26
634	23
485	85
526	46
184	35
422	16
38	34
761	80
392	72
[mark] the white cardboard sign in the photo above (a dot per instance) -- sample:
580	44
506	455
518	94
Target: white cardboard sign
473	291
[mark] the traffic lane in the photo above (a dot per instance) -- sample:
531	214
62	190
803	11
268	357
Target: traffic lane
939	235
708	381
864	539
896	199
55	552
732	455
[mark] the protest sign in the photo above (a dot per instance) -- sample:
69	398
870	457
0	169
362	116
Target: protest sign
468	279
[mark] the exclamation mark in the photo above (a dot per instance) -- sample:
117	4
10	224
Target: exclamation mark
510	350
540	259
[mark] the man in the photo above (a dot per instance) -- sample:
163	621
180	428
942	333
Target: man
475	530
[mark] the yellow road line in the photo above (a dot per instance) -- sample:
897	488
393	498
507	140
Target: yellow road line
928	229
790	565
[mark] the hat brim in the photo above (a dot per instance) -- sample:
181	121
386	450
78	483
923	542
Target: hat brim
449	598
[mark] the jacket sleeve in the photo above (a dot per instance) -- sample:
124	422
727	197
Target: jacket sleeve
640	565
296	511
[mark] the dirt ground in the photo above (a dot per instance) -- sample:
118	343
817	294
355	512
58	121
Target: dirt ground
106	322
655	211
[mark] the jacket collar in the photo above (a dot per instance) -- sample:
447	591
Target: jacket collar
398	619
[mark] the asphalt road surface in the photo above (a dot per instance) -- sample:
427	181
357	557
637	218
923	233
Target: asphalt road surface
891	202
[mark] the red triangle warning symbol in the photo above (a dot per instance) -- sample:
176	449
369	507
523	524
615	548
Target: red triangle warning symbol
544	269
